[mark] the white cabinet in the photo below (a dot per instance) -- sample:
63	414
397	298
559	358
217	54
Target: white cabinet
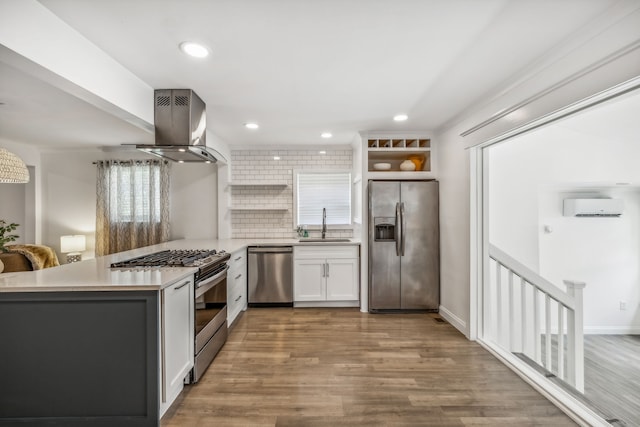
309	280
327	275
236	285
177	337
342	279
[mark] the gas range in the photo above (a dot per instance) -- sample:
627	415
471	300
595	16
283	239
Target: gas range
209	262
210	297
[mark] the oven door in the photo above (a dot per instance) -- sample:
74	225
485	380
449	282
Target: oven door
211	308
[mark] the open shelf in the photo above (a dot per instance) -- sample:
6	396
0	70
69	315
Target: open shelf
262	208
399	143
395	158
281	184
396	149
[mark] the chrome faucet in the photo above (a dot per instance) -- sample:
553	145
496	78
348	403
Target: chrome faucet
324	222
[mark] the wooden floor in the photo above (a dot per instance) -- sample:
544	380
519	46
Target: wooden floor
340	367
612	376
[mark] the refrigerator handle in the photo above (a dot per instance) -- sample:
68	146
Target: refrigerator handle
403	229
398	232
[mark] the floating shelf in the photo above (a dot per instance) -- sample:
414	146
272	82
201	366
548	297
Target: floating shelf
258	184
276	208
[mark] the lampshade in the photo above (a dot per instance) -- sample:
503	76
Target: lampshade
12	168
76	243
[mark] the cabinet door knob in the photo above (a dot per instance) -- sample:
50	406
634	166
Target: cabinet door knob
238	276
239	298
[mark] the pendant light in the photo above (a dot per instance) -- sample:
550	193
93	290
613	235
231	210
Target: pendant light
12	168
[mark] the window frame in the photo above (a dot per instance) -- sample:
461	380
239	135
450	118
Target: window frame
297	172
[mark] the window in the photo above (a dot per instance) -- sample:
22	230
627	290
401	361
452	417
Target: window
132	207
315	190
138	189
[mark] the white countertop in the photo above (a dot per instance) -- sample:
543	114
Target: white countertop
96	274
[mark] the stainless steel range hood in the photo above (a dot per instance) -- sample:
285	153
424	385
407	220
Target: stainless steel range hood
180	127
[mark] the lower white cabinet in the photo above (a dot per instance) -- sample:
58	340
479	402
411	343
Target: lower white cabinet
177	339
236	285
326	273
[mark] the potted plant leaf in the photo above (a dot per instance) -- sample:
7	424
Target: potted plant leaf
5	237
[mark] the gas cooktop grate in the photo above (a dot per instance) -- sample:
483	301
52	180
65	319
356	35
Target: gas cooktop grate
181	258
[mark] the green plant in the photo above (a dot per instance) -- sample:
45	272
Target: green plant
4	237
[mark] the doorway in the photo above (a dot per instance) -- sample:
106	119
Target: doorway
590	154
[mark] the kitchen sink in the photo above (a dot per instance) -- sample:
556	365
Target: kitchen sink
324	240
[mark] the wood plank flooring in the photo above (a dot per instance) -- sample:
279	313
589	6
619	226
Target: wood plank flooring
341	367
612	376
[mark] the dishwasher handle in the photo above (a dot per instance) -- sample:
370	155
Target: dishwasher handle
270	249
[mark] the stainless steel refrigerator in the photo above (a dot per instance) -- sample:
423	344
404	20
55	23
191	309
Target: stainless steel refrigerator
404	246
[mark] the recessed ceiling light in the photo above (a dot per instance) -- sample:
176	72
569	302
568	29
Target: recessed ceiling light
326	134
194	49
182	150
400	117
180	161
322	152
251	125
276	158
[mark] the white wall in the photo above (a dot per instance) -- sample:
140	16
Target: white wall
69	197
453	167
558	79
12	208
194	201
602	252
529	178
20	203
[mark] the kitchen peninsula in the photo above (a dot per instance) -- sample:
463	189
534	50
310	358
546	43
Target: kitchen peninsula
84	344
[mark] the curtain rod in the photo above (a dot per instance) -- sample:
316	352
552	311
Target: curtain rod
131	161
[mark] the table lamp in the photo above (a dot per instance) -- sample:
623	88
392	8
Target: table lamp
73	246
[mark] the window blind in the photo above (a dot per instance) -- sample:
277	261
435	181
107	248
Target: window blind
317	190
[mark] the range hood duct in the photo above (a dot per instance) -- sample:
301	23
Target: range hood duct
180	127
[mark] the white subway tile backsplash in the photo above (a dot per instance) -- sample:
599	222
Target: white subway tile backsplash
259	166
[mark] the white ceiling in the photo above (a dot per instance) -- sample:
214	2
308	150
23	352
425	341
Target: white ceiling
297	67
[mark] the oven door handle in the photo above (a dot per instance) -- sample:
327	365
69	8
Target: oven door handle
205	285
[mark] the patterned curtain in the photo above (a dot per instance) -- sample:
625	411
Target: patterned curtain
132	204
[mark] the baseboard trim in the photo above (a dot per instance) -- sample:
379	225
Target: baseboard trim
308	304
454	320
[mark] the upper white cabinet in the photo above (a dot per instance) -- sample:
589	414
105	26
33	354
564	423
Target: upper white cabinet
326	275
236	285
177	337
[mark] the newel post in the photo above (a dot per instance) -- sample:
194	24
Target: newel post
575	338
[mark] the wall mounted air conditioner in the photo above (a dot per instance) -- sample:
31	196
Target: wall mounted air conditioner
593	207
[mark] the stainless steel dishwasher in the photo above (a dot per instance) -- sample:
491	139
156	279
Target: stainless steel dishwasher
270	276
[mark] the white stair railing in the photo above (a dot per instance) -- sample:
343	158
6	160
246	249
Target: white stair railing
530	315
